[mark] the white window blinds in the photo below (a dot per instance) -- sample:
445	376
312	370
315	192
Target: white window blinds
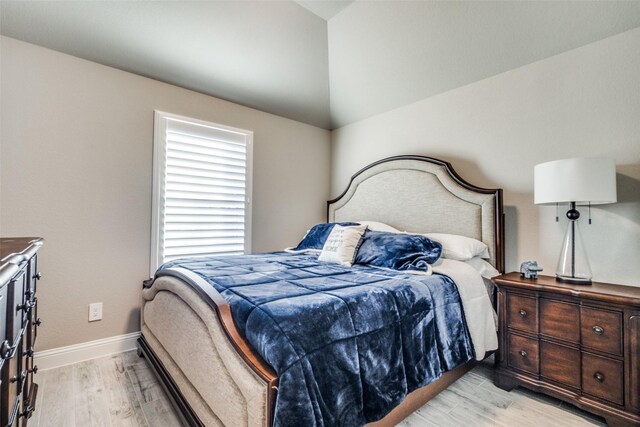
202	189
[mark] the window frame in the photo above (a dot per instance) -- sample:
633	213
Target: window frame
160	123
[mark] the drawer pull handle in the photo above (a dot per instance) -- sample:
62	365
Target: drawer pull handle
5	349
523	313
599	377
523	353
37	276
598	330
27	412
26	306
16	378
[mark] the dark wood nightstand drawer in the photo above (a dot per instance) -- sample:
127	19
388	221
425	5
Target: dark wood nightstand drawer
602	377
15	307
602	330
560	364
585	348
523	353
522	313
10	391
560	320
634	353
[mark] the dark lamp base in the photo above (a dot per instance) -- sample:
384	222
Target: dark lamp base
573	280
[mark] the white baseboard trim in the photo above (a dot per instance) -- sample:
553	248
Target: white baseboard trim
68	355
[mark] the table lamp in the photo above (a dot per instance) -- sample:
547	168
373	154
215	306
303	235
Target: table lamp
578	181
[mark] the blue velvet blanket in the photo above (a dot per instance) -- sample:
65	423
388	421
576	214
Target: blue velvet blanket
348	343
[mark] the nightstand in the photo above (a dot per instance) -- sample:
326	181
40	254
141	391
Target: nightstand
578	343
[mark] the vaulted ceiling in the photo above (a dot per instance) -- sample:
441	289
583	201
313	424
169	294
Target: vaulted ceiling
326	63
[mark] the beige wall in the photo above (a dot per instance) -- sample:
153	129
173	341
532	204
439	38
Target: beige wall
76	150
585	102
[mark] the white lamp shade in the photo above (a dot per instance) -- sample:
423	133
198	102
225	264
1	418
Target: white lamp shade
580	180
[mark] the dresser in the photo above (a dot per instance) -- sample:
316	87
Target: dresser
578	343
18	328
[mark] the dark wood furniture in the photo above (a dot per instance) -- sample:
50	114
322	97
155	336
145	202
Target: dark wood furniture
18	328
578	343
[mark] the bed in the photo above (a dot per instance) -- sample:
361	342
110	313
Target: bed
204	360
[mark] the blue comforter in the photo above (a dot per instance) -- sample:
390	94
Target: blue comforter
348	344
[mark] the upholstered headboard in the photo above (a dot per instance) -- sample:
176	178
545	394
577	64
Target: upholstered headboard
422	194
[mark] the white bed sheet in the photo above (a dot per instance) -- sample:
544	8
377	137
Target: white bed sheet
479	313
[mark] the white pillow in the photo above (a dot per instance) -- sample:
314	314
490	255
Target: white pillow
342	244
378	226
460	248
485	269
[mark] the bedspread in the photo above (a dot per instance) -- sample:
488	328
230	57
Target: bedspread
348	344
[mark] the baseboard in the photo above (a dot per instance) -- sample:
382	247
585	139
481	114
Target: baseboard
62	356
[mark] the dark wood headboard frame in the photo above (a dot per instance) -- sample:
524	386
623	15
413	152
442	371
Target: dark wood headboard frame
499	217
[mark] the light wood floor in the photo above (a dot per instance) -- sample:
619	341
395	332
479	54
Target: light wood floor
121	390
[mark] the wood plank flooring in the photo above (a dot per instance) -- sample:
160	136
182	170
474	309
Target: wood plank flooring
115	391
121	390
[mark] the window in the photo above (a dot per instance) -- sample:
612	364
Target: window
201	189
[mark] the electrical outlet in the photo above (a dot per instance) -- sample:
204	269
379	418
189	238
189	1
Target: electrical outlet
95	311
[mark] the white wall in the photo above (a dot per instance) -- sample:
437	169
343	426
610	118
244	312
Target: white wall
585	102
76	152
